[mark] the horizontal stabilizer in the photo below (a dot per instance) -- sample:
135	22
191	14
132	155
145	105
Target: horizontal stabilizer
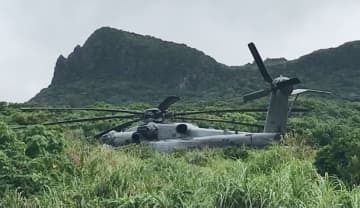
300	91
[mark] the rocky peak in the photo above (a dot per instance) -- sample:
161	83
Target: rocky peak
116	66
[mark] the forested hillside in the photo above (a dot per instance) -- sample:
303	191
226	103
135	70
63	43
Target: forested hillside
117	67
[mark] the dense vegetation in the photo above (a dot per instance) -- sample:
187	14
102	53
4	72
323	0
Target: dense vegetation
316	164
121	67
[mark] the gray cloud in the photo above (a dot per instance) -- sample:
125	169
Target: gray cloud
34	33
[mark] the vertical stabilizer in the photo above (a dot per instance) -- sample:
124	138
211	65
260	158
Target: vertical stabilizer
277	114
280	89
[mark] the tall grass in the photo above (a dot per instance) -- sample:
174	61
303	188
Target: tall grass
135	176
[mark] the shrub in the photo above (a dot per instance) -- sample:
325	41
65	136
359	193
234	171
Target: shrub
324	133
235	153
341	158
140	151
232	194
29	163
197	158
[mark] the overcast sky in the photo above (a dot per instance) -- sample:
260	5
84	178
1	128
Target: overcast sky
34	33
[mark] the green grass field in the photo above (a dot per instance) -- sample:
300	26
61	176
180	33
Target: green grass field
62	167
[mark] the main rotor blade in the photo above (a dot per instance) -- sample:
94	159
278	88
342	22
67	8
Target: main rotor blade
289	82
86	109
164	105
220	121
117	128
233	111
256	95
300	110
221	111
259	62
79	120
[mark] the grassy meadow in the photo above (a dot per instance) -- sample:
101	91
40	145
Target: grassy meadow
64	167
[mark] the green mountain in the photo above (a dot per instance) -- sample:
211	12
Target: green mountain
117	67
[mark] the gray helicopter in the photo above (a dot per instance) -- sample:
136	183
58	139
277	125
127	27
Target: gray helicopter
162	134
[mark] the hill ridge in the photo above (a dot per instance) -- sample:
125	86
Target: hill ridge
117	66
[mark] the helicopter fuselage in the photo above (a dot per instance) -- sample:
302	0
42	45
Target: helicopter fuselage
166	137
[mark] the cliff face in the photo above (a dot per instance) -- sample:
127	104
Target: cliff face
111	54
116	66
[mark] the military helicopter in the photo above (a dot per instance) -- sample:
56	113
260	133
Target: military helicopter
161	133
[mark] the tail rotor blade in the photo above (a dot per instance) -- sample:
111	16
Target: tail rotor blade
164	105
259	62
256	95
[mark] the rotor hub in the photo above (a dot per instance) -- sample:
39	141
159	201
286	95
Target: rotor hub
286	90
154	114
279	79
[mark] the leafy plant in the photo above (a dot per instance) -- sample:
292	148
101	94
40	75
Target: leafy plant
341	158
30	161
